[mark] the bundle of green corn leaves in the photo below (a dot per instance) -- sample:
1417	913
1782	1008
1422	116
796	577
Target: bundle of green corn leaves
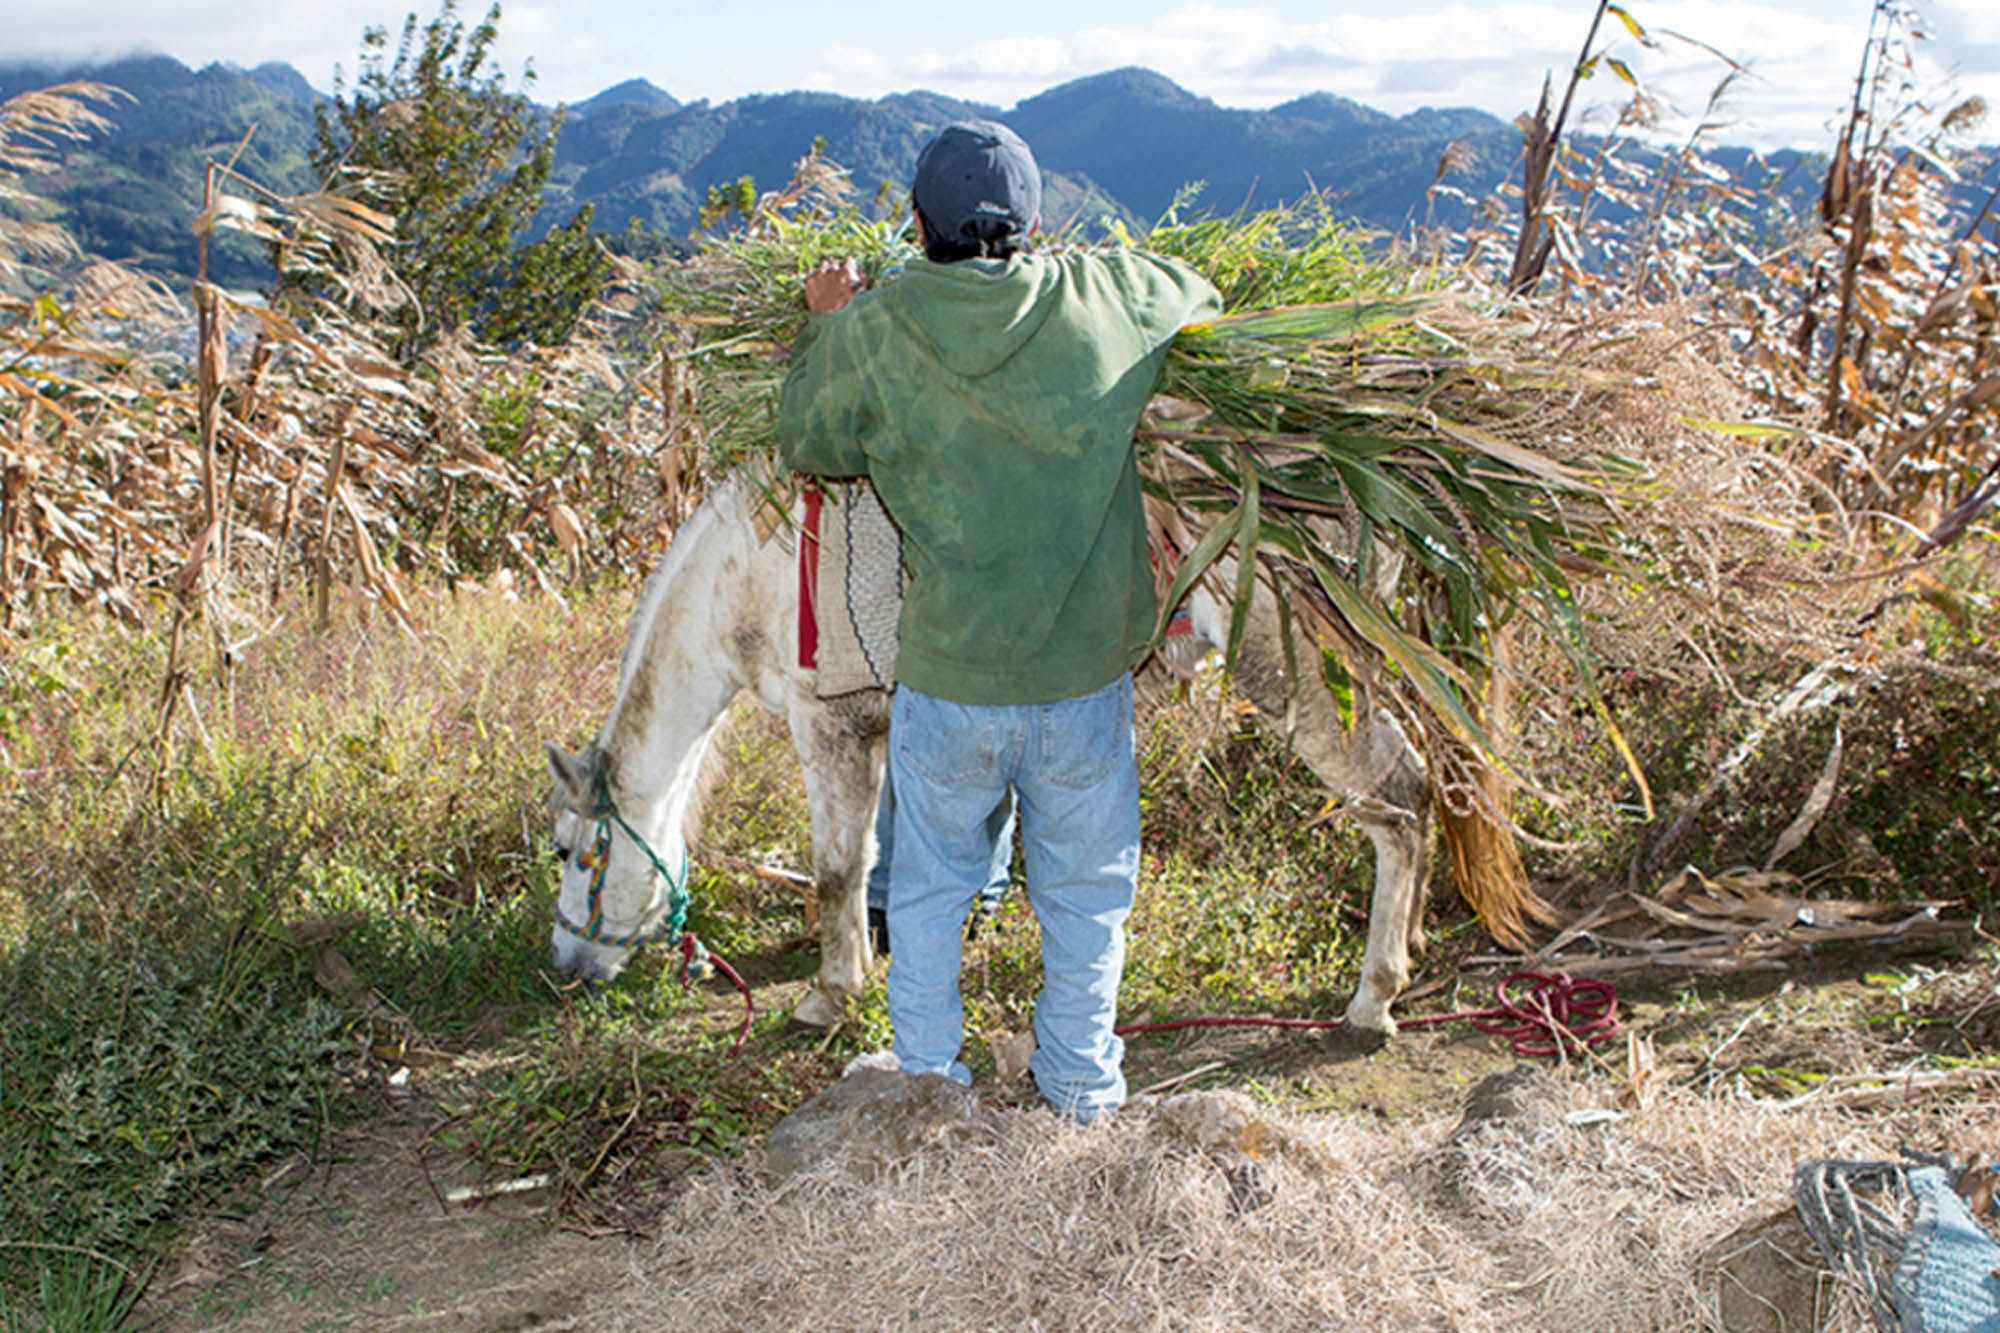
1346	415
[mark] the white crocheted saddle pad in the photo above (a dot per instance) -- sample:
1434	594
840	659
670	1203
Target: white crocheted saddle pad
862	579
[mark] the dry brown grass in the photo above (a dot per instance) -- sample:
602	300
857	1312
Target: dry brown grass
1532	1223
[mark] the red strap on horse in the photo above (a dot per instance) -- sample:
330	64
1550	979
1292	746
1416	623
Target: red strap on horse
809	578
1182	620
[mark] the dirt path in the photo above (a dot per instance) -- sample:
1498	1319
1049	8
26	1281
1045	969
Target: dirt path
365	1239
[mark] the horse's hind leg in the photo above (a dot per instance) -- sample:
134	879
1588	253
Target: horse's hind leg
1413	926
1395	813
1383	776
841	744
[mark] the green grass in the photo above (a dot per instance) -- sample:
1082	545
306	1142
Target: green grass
161	1034
73	1291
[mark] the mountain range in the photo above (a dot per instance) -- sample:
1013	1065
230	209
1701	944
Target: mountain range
1124	144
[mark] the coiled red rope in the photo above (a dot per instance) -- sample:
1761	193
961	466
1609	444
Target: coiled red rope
1540	1013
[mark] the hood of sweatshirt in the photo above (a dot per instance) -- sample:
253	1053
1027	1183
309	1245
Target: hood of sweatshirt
976	314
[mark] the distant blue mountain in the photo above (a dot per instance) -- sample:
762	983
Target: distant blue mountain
282	79
1123	144
639	93
1126	143
132	192
1142	138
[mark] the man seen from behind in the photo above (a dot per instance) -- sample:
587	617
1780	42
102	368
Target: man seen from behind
991	394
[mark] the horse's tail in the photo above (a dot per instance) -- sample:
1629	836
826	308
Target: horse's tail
1474	802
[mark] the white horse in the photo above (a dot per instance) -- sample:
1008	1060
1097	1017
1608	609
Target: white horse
720	616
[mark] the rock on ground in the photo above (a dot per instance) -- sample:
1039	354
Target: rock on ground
870	1119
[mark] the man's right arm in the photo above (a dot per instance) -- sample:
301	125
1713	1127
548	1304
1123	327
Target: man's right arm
1184	292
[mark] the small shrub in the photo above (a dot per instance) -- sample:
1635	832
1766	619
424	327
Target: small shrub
136	1083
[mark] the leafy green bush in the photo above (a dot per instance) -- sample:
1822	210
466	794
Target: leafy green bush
135	1083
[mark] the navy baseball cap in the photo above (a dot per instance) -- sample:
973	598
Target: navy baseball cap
977	172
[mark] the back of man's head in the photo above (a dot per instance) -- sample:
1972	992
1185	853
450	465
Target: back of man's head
978	192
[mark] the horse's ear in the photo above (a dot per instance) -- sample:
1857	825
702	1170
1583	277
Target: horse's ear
573	776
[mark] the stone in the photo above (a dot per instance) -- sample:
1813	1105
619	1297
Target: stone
1497	1160
1220	1123
1526	1096
1250	1185
871	1119
1766	1277
1011	1052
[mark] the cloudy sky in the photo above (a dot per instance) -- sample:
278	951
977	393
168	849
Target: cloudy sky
1396	55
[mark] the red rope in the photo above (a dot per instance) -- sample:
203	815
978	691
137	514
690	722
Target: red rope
1555	1012
691	951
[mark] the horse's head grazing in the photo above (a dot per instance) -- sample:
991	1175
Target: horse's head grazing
613	895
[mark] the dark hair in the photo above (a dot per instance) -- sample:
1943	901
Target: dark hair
979	238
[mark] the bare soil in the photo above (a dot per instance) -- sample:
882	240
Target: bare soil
362	1237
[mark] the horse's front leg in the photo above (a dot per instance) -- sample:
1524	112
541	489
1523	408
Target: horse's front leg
842	744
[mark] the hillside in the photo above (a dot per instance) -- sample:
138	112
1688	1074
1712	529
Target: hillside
1143	137
133	193
1119	144
1129	139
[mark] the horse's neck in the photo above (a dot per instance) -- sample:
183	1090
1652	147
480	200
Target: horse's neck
675	679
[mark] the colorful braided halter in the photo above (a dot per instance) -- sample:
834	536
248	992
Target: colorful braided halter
695	959
598	860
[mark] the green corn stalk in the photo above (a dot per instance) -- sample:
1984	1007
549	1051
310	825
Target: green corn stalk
1346	407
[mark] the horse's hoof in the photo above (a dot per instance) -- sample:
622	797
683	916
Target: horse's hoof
817	1010
1373	1020
1349	1040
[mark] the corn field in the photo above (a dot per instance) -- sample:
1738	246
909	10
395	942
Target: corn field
1618	410
229	449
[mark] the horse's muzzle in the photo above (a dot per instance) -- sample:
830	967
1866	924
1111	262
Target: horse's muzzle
573	957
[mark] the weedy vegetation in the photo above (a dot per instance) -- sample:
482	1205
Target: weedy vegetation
1691	504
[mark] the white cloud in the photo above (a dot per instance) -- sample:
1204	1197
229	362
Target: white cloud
311	35
563	49
1252	54
1970	22
1800	66
845	68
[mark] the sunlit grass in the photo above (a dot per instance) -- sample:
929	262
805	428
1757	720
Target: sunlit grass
159	1031
150	969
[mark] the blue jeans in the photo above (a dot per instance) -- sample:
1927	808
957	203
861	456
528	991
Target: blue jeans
1000	824
1070	765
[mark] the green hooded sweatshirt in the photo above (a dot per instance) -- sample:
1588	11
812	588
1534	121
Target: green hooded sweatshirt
992	403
